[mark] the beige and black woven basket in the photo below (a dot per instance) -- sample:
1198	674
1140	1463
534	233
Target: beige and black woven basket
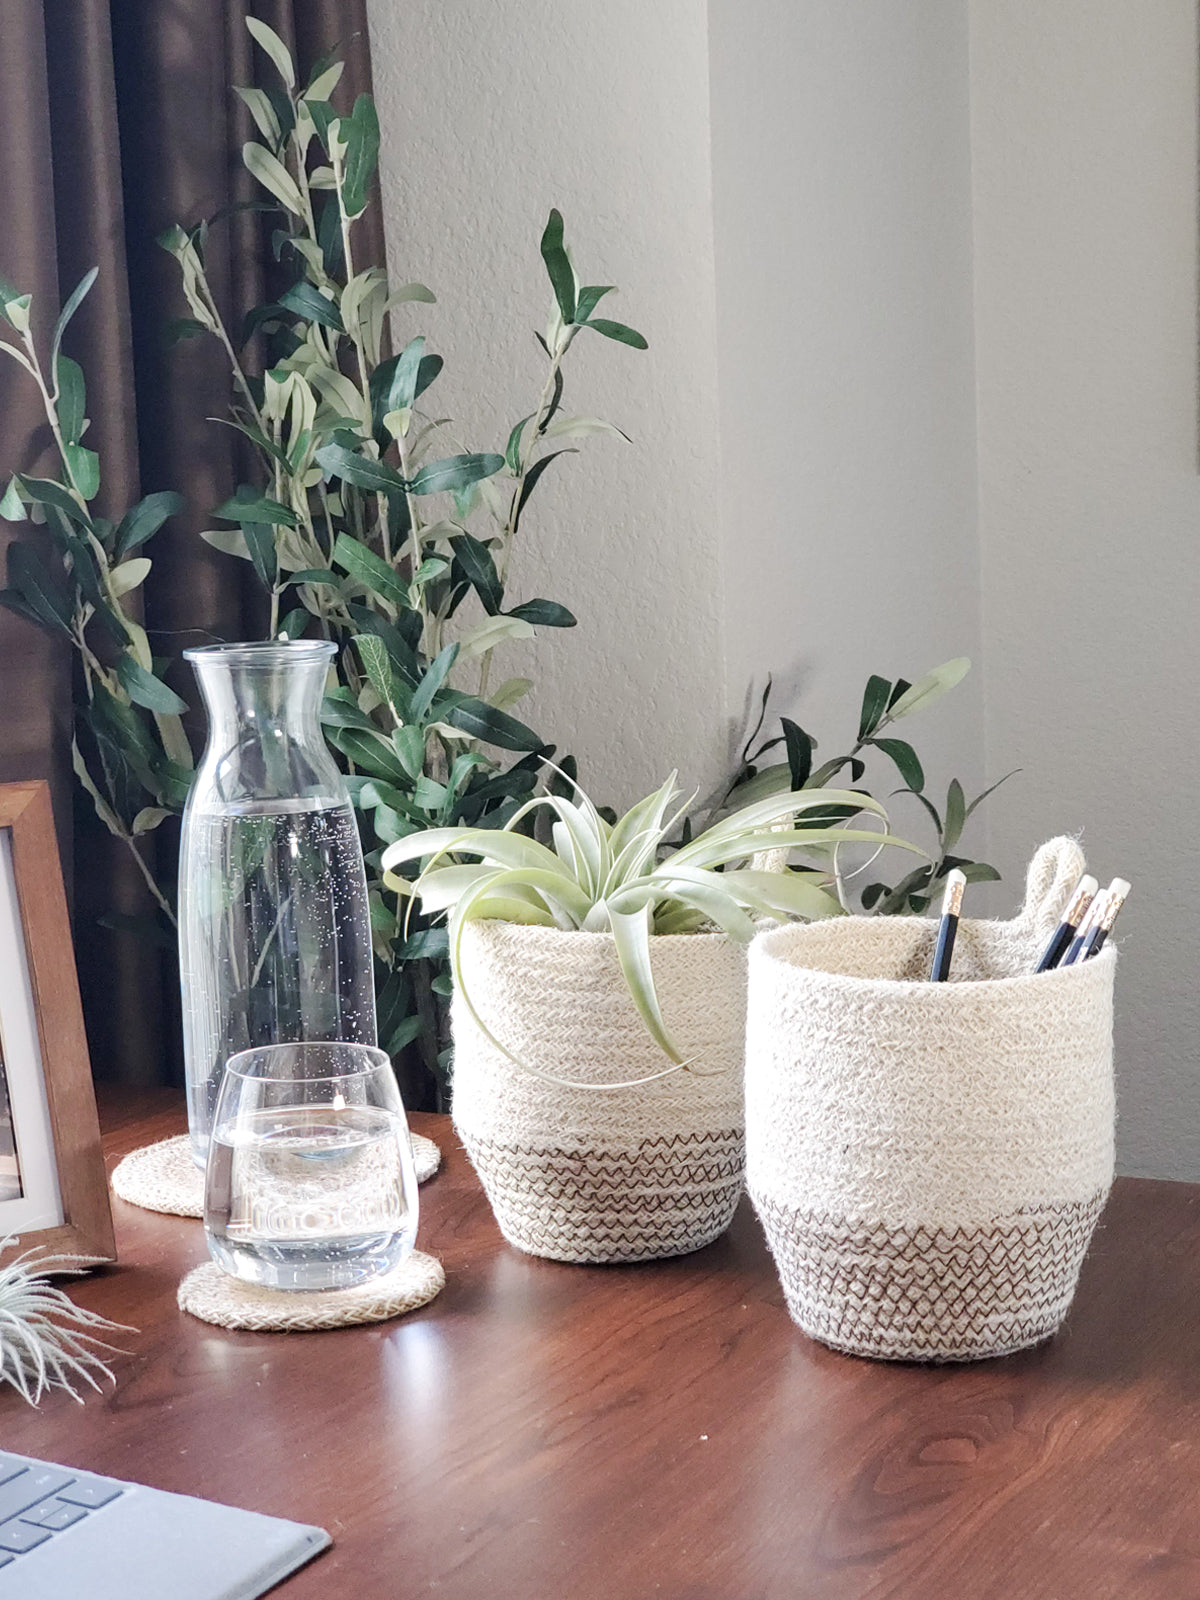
575	1169
929	1160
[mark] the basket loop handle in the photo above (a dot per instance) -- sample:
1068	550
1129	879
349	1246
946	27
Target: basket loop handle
1054	871
770	860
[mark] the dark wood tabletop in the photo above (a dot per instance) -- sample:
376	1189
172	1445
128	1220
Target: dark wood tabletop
549	1432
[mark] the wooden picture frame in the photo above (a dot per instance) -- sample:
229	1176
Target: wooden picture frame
52	1132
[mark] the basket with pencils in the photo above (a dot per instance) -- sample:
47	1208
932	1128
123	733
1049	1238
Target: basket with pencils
929	1160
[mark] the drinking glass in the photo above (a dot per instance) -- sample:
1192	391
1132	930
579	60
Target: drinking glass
310	1181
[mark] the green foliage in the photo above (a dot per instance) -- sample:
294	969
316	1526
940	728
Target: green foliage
371	525
129	750
883	704
370	520
620	877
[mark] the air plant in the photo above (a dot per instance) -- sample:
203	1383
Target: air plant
613	877
46	1340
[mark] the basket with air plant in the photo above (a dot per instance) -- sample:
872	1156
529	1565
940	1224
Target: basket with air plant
599	1005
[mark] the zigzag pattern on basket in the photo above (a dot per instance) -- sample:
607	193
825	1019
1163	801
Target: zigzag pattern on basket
669	1195
930	1294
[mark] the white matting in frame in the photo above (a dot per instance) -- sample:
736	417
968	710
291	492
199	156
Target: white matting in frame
39	1204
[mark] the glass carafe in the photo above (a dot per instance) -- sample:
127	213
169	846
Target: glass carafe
275	932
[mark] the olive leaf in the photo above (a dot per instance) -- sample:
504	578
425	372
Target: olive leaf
361	133
144	689
275	48
931	687
558	266
619	332
143	520
543	614
372	571
455	472
273	175
373	654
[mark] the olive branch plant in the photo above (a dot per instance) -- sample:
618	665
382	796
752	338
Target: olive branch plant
884	703
370	524
128	747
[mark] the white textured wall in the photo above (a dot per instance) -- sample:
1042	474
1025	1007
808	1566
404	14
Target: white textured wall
492	113
1085	160
955	327
842	206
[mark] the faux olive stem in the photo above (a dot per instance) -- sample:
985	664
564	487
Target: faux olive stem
239	377
163	904
524	462
50	405
354	332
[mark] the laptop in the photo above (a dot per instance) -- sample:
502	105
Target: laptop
68	1535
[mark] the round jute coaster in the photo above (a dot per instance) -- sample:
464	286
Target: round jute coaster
163	1176
213	1296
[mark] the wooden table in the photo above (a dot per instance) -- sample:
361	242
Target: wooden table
548	1432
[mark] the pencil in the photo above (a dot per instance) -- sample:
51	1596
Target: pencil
1075	952
1114	899
1060	940
956	882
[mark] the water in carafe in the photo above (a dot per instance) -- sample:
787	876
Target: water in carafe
275	936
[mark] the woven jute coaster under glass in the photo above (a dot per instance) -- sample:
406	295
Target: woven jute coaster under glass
212	1295
163	1176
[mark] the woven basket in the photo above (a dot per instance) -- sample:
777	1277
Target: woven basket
595	1174
929	1160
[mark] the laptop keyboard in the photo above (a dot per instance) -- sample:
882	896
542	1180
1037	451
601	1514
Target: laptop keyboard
37	1502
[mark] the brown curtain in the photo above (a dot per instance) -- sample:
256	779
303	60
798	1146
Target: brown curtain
118	119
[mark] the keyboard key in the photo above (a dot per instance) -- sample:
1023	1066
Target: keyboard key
89	1492
10	1467
19	1537
54	1514
30	1486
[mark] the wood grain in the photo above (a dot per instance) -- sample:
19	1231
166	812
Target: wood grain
87	1227
551	1432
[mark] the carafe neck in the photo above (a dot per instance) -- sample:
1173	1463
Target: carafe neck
264	729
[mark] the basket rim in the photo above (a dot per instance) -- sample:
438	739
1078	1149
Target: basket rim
778	948
500	926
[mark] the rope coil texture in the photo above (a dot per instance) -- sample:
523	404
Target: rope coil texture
214	1296
929	1160
163	1176
590	1174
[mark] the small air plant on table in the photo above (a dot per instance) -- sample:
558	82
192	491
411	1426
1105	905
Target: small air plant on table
46	1340
599	1007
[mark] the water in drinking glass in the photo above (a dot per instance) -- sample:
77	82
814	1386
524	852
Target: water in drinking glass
310	1182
